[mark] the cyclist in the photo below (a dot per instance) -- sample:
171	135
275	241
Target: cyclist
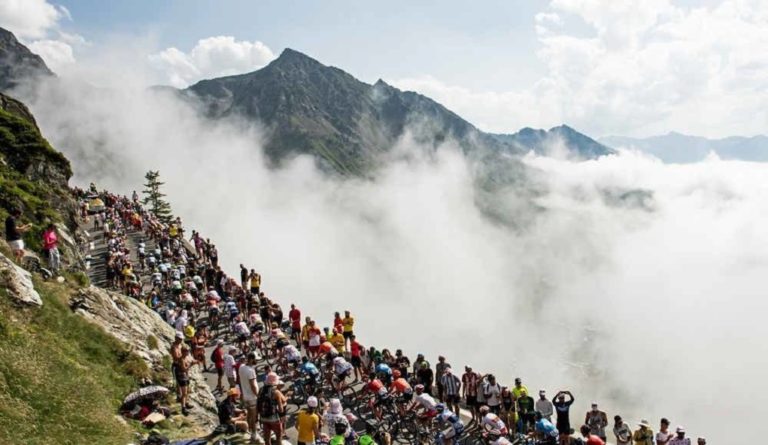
490	421
309	371
341	369
545	431
455	425
291	355
384	372
377	388
496	438
423	404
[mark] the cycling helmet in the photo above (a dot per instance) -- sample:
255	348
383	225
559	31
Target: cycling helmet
440	407
396	374
338	360
484	410
365	440
340	428
419	388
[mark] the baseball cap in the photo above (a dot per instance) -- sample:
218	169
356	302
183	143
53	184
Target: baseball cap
179	335
233	392
680	429
312	402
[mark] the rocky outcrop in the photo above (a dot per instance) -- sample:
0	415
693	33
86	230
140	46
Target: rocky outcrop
18	283
133	323
17	63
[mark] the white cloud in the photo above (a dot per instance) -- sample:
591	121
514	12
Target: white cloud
211	57
30	18
647	67
57	54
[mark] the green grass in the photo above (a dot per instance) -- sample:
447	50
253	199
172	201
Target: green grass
62	378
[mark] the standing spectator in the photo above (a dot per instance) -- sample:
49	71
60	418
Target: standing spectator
663	436
356	359
492	394
562	408
643	435
271	404
621	431
308	423
349	325
217	358
418	362
439	371
249	390
255	282
338	324
544	406
680	438
229	367
402	362
469	381
426	377
519	388
451	387
182	378
51	249
13	233
294	315
596	420
243	276
526	411
591	439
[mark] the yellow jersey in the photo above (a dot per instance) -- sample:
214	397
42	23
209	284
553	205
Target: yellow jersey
338	342
306	424
349	323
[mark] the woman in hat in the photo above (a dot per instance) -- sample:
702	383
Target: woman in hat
643	435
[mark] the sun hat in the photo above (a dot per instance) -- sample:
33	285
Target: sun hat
644	423
273	379
335	406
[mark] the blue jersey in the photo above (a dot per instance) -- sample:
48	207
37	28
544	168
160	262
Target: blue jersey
309	369
545	426
383	368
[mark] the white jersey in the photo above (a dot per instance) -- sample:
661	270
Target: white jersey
426	401
241	328
341	366
291	353
493	422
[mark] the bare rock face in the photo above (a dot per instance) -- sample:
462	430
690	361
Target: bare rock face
18	283
133	323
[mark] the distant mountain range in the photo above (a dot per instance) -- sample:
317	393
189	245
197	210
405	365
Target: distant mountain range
680	148
311	108
17	63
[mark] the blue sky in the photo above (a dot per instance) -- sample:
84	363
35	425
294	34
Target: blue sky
627	67
491	46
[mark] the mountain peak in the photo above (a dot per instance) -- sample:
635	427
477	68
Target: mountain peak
292	57
17	63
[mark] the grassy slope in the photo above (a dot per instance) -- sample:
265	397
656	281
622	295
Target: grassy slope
61	377
21	147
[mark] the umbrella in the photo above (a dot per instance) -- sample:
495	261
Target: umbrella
148	392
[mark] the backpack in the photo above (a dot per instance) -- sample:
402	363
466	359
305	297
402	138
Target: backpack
265	402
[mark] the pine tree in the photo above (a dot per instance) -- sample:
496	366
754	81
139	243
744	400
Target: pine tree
154	197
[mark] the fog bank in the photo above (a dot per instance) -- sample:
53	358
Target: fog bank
634	283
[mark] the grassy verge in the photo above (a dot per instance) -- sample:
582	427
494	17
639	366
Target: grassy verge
61	377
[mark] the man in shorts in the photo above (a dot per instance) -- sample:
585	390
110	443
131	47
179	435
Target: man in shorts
13	233
249	390
451	387
469	381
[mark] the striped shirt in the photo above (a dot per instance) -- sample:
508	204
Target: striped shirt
451	384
